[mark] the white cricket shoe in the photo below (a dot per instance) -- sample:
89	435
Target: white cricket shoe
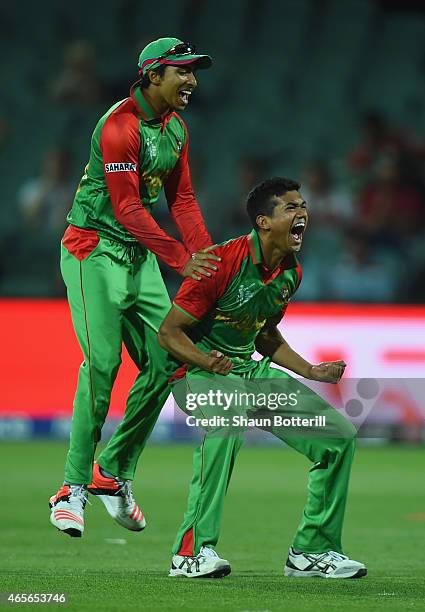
67	509
206	564
117	497
323	565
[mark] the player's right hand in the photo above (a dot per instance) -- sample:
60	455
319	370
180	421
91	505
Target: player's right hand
199	264
218	363
328	371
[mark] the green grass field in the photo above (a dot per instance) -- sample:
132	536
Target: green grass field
384	528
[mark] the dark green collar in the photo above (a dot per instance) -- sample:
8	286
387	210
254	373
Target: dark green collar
254	244
145	109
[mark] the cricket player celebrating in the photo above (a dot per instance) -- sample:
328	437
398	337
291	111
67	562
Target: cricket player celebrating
115	289
214	327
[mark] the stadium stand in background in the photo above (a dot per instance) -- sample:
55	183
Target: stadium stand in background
328	92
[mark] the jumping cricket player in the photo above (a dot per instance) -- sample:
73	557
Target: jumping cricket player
214	327
115	289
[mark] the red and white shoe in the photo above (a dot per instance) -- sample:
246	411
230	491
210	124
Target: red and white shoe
118	499
67	509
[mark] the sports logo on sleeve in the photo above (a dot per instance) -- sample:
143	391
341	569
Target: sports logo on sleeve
121	167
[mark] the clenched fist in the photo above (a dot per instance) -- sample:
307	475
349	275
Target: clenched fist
217	363
328	371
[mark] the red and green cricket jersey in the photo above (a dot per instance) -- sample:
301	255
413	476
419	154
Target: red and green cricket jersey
133	156
233	305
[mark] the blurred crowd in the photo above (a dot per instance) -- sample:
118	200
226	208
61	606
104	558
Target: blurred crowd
366	236
369	230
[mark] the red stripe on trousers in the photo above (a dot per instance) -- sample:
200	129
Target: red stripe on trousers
186	548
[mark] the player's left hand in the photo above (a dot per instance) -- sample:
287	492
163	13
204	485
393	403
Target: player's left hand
328	371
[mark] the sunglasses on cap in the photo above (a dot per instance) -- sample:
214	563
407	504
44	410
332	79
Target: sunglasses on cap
184	48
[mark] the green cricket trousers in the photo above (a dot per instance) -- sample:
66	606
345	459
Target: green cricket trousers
116	294
330	450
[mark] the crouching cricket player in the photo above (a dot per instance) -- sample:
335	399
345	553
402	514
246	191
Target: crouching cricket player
214	327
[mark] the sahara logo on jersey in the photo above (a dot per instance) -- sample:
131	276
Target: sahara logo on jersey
120	167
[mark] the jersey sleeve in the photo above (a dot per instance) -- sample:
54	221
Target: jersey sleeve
183	205
197	298
120	146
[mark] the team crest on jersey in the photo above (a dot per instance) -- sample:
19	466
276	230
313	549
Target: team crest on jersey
120	167
179	146
285	294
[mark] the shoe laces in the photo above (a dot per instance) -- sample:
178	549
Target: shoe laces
126	493
337	556
78	494
207	552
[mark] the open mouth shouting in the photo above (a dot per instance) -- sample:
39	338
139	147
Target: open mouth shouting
297	230
184	94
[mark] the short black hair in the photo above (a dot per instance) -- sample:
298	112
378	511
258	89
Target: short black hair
262	199
145	80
